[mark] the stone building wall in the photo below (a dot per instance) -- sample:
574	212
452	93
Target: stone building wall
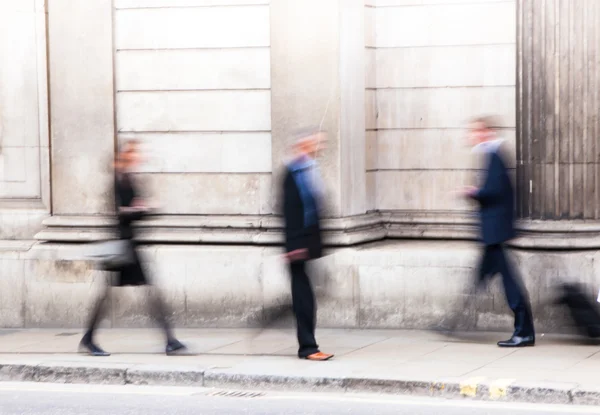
214	88
436	64
559	121
192	80
24	140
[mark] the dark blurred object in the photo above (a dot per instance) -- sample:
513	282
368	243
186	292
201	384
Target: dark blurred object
583	309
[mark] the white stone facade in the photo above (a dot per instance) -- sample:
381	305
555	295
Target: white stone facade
24	137
432	66
214	88
193	82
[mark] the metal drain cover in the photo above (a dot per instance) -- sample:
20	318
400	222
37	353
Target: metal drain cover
66	334
236	394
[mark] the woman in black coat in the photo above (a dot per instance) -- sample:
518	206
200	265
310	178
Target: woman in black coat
129	209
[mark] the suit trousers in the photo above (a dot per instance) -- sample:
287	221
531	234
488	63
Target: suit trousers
494	261
304	306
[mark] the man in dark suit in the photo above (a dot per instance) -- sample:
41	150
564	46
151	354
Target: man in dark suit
302	197
496	211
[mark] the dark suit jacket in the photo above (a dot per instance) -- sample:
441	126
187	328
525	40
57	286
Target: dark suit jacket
298	236
125	194
496	201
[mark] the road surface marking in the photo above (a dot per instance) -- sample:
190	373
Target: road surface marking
499	388
469	387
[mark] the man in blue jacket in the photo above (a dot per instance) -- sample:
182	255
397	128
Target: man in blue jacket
302	199
496	210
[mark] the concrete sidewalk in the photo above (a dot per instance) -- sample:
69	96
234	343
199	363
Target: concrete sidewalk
559	369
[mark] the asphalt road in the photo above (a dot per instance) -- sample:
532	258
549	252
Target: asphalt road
50	399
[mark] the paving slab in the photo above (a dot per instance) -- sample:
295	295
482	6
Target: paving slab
558	370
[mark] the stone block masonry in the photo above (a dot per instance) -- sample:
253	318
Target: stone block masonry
411	285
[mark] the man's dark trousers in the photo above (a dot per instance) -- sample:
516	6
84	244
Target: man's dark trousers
494	261
303	299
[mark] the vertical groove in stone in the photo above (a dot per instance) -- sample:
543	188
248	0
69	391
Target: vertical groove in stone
543	105
573	99
556	132
558	123
596	110
519	116
536	89
587	177
548	158
565	111
593	107
526	113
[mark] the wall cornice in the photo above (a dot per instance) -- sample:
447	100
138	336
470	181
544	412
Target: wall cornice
348	231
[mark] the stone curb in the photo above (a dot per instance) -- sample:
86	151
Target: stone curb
453	388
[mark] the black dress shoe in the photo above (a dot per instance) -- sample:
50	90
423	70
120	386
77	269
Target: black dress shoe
174	346
89	347
516	341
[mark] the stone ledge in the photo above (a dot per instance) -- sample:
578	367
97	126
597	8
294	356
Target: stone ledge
77	229
430	225
248	230
559	235
354	230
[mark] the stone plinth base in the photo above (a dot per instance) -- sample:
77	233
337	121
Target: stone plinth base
406	284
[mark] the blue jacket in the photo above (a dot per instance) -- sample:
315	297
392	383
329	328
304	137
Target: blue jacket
298	233
496	202
301	170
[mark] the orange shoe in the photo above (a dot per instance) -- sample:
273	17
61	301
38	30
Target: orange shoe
319	357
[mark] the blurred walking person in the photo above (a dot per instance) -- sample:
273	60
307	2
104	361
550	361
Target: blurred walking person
302	198
130	207
496	210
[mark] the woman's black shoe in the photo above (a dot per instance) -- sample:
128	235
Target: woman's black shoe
88	346
174	346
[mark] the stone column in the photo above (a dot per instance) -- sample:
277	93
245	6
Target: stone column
318	73
24	137
82	115
558	110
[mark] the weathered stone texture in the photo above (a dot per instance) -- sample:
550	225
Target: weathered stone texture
410	285
558	106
